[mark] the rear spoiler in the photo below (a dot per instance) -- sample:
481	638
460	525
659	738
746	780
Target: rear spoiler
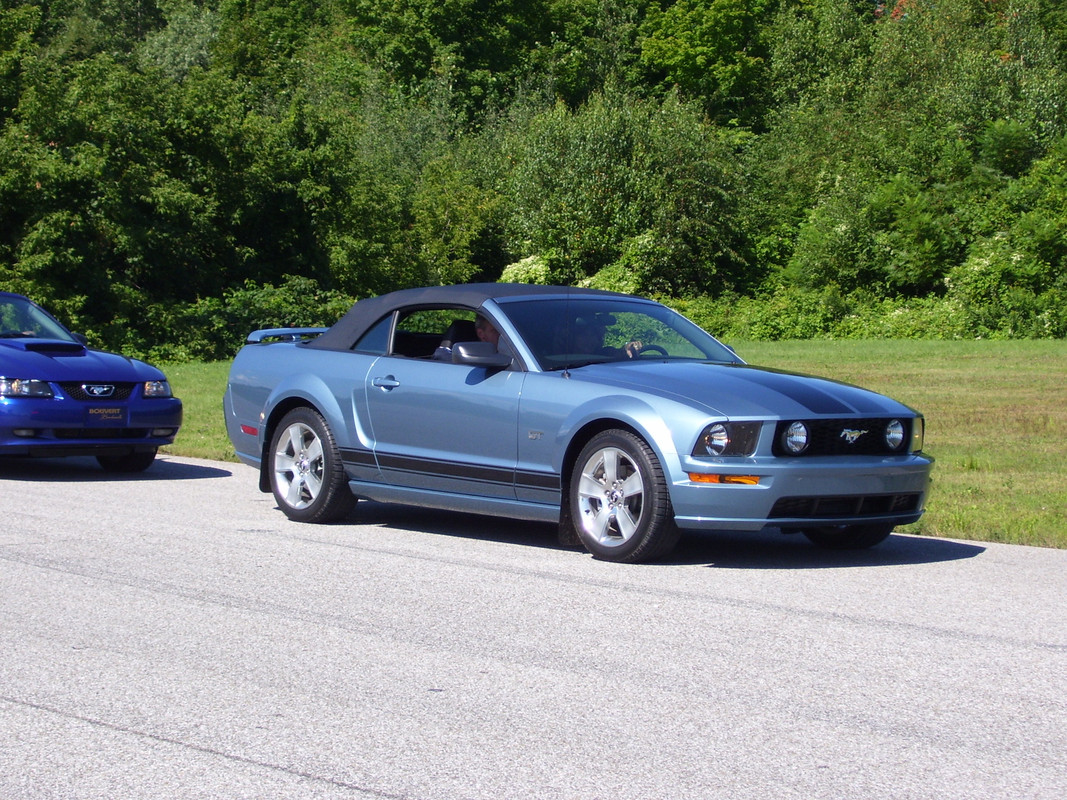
284	335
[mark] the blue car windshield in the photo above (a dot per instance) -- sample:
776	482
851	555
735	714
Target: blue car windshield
20	318
567	333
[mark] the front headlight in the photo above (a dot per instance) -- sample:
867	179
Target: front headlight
728	439
157	389
19	387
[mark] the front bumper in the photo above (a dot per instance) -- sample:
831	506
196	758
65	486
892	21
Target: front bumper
803	493
31	427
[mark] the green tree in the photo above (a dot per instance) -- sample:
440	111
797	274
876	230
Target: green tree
18	26
712	50
185	42
481	48
642	187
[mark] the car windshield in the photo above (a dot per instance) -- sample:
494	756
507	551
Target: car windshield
20	318
566	333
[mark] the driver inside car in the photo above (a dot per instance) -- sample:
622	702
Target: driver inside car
589	338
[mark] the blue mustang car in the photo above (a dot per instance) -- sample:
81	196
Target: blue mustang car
610	414
60	398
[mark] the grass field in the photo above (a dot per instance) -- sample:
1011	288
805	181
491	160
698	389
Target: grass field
996	413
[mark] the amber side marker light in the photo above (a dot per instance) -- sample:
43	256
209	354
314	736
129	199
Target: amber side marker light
746	480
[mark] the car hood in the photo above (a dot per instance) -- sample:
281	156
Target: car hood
740	390
56	360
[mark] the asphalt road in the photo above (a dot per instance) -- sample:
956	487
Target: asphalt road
172	636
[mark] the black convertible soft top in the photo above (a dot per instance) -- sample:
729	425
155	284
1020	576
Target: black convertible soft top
365	313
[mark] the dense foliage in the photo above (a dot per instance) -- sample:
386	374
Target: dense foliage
176	172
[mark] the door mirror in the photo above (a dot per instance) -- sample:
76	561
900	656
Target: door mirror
479	354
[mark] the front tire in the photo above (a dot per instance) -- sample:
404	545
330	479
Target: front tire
848	537
307	476
618	500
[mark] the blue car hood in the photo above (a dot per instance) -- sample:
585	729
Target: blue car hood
739	390
56	360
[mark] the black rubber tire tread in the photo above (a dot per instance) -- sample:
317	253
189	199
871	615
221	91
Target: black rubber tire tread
335	500
848	537
657	533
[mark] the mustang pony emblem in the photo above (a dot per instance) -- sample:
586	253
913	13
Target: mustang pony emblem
850	435
98	389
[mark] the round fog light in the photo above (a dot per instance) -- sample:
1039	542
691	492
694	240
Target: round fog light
795	438
894	434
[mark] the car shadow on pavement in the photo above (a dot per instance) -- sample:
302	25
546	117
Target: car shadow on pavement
770	549
456	523
85	468
767	549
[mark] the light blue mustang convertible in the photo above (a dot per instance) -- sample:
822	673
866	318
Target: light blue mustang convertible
610	414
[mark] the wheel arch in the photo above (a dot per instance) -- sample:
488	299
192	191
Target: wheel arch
599	424
296	390
581	437
622	412
277	413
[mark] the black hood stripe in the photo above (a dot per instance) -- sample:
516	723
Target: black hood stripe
799	391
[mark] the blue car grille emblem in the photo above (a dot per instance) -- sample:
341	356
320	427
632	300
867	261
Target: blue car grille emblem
850	435
98	389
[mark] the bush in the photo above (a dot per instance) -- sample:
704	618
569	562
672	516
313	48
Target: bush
532	269
626	182
212	329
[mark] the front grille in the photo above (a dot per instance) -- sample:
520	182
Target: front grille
831	437
76	391
101	433
864	505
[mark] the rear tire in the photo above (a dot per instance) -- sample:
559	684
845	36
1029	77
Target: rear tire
131	462
618	500
848	537
307	476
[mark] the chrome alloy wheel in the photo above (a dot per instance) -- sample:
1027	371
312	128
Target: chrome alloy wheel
611	497
298	465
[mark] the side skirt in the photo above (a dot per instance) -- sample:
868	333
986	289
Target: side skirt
447	501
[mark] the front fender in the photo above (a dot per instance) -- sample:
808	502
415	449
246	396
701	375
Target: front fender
614	411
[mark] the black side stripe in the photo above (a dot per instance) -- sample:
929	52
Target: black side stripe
453	469
358	458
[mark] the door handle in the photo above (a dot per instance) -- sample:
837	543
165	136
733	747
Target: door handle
387	383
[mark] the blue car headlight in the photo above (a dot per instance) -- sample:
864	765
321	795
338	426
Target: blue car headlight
728	439
157	389
21	387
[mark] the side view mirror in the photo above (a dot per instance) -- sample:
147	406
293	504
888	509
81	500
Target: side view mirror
479	354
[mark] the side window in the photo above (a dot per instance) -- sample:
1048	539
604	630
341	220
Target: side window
376	340
430	333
